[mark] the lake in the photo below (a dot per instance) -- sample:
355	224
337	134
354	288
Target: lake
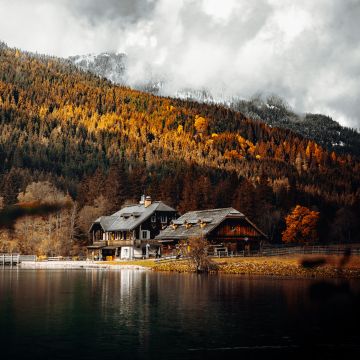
131	314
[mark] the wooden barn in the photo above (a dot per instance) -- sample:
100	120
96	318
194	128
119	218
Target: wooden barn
227	230
127	233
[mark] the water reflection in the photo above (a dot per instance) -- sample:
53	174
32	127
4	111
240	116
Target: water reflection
132	314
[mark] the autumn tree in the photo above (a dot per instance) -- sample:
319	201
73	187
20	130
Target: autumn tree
201	124
52	234
301	226
196	249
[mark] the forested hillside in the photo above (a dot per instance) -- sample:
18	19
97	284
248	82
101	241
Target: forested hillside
324	130
102	145
272	110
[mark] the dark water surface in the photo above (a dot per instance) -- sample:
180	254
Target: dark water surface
129	314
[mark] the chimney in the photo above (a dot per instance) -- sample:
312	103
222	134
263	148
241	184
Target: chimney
147	201
142	200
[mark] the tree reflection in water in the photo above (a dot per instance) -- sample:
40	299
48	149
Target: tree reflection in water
91	314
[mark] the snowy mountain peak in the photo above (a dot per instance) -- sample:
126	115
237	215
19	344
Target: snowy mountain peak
111	66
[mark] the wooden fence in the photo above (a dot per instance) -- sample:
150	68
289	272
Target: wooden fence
353	249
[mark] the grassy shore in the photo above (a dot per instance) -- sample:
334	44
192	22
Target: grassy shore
291	266
284	266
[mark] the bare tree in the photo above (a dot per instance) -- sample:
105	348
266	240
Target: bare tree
49	233
196	249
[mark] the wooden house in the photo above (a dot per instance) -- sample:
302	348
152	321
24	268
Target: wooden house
227	231
127	233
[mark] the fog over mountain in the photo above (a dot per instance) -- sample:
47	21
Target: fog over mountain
270	109
307	52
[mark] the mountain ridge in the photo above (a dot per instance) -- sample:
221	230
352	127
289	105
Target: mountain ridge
320	128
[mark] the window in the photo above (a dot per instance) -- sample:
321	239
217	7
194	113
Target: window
153	218
144	234
163	219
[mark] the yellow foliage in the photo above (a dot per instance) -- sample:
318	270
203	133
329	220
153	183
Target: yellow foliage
43	112
246	144
201	124
180	129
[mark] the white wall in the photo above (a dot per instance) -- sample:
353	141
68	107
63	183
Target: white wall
127	252
138	253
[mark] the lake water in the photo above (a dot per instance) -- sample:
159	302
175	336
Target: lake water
130	314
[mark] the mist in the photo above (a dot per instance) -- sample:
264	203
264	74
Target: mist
307	52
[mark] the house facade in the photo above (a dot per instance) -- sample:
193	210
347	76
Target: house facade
128	233
227	231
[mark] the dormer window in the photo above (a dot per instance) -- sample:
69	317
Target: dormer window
163	219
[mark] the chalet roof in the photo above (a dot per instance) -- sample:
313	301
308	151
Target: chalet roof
199	223
130	216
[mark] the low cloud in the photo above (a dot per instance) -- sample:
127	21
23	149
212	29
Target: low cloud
307	52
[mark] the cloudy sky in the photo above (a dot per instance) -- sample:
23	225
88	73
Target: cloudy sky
305	51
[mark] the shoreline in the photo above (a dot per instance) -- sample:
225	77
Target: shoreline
277	267
282	267
78	265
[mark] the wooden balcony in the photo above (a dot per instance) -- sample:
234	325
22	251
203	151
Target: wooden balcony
102	243
99	243
120	242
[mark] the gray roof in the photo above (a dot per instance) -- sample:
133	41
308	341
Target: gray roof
130	217
210	219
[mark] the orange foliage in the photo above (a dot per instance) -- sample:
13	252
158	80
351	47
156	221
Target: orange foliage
301	225
232	154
